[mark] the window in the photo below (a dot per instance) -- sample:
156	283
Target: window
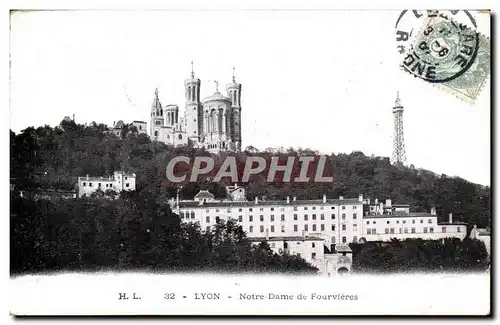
272	228
295	228
295	217
404	221
250	218
397	221
333	216
374	231
240	209
421	220
282	228
429	221
343	216
305	208
250	229
392	230
368	222
458	229
84	183
229	210
192	215
305	217
386	230
306	227
399	229
272	209
314	208
294	208
425	230
240	218
388	222
261	228
368	231
354	216
344	240
443	229
216	210
343	227
126	177
126	185
322	217
99	184
333	208
272	217
334	240
250	209
343	207
355	239
207	229
313	255
313	245
314	227
374	222
208	219
333	227
90	184
431	230
217	219
322	227
413	221
282	217
412	230
406	230
314	217
261	209
354	206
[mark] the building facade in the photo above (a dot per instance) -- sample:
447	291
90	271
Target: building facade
333	222
120	181
213	122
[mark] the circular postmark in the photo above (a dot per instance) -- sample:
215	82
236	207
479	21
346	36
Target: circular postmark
442	51
410	22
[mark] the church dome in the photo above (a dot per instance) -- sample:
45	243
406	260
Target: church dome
216	97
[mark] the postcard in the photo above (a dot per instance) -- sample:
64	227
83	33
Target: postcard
250	162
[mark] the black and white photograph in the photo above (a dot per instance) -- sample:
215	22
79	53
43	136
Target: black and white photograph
250	162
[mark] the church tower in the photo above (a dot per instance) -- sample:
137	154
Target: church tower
234	92
157	118
193	117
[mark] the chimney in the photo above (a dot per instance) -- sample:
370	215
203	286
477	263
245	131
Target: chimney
324	198
256	199
433	211
73	117
360	198
114	122
267	234
87	176
288	199
388	203
341	197
295	198
376	201
450	218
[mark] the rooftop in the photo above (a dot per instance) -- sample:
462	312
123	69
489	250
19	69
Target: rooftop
204	194
188	204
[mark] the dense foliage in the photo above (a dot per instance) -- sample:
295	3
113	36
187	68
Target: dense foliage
133	232
48	157
410	255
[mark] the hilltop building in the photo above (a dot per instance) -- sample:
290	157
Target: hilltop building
120	181
213	122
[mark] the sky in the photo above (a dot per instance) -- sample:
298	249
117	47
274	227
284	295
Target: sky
325	80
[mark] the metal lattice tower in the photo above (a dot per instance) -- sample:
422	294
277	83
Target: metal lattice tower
398	152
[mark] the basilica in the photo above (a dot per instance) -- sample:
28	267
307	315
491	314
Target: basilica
213	122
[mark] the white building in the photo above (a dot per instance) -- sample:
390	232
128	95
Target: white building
120	181
332	221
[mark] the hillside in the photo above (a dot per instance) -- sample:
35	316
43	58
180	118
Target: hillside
47	157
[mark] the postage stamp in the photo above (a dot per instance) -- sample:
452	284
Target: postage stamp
451	55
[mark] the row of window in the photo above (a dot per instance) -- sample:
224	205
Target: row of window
397	221
281	209
373	231
107	185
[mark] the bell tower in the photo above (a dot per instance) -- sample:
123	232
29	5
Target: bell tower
157	117
193	107
234	93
